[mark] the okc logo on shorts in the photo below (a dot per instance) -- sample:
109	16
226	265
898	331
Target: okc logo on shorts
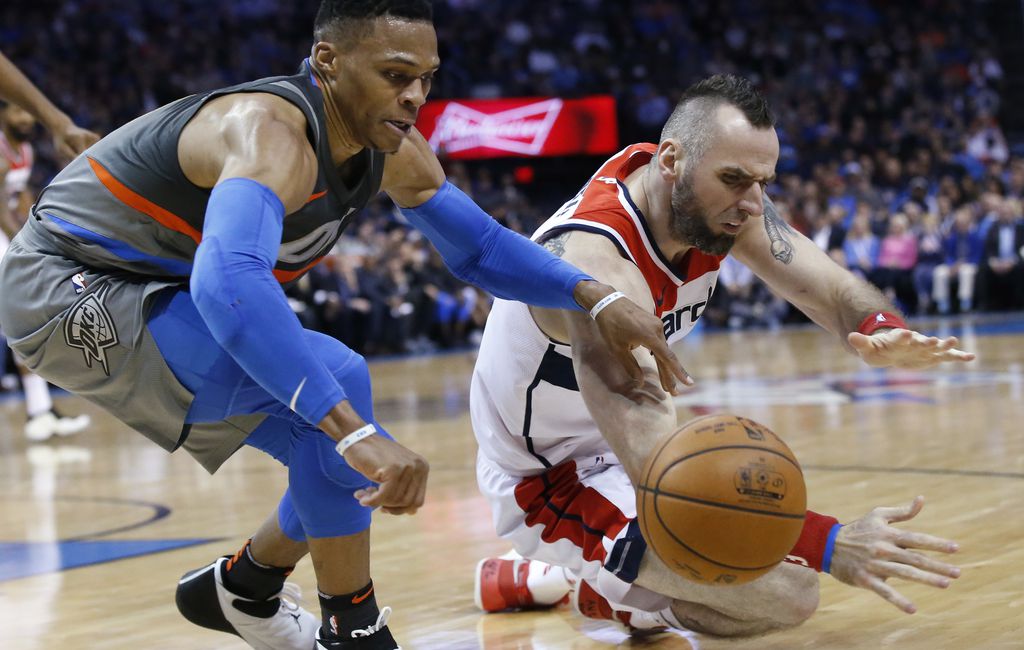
90	328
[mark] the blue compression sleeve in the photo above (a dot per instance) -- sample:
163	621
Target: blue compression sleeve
234	290
480	251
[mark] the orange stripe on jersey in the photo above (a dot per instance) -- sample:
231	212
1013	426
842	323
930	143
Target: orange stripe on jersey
138	202
287	276
314	197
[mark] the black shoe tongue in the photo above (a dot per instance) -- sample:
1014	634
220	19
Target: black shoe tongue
259	608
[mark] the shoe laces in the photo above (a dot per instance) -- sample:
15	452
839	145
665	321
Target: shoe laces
382	620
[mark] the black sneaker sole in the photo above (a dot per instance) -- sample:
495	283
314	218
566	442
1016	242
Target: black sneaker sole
196	599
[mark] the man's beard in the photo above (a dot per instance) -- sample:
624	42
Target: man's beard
688	221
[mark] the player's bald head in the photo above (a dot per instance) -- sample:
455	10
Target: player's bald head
346	22
693	123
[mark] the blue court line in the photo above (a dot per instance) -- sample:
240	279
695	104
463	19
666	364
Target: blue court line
24	559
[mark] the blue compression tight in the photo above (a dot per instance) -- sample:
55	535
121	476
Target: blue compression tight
319	500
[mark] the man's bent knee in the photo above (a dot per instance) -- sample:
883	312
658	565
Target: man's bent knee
800	600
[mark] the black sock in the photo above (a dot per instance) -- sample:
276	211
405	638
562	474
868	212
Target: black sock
247	578
354	611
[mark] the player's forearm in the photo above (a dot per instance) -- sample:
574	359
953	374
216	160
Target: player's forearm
480	251
631	424
631	428
17	89
856	300
245	308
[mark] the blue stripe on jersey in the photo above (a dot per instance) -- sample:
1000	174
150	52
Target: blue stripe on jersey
624	560
121	249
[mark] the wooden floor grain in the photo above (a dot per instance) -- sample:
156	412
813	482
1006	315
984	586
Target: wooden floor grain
865	438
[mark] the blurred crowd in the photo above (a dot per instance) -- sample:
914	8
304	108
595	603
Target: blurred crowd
892	161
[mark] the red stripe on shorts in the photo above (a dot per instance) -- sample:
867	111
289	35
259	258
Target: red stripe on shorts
567	509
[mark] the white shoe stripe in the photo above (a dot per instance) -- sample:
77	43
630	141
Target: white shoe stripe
196	574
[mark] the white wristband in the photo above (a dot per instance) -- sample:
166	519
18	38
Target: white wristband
354	437
604	302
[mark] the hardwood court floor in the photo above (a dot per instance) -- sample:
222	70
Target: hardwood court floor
865	438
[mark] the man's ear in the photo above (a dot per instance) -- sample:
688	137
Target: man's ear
325	57
671	160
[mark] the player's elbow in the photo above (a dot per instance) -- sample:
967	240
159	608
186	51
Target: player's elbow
802	600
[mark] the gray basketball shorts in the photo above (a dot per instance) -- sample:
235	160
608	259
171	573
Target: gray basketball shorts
85	330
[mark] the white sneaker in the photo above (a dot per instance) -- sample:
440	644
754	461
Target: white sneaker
70	425
278	623
47	425
41	427
589	603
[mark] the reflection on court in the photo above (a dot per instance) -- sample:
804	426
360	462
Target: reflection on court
865	438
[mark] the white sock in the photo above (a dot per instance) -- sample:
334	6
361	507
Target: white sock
37	394
547	583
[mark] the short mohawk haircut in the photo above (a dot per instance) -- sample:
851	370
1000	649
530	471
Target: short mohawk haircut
333	15
691	121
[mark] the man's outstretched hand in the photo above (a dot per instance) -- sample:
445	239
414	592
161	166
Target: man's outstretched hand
869	551
625	326
901	348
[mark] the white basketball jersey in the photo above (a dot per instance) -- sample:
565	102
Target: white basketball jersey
525	404
19	161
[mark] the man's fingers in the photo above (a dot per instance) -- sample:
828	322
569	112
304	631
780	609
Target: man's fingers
926	563
908	572
630	365
385	492
859	342
368	496
901	513
671	371
955	355
886	591
925	542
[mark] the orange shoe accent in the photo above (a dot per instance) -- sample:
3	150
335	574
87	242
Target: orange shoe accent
315	196
237	556
358	599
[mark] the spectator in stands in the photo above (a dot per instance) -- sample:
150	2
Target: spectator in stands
930	253
860	248
828	232
881	108
963	251
897	255
1001	278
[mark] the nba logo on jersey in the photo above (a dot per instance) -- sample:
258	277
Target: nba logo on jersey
78	280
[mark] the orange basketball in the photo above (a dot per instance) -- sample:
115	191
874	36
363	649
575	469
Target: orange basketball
722	500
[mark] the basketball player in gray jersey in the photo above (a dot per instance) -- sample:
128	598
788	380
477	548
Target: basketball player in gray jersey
149	280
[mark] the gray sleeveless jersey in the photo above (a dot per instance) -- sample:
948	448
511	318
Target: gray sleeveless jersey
126	205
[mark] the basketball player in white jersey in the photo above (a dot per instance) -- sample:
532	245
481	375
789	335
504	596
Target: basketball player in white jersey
561	447
16	158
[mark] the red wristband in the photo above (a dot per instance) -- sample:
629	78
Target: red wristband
813	546
878	320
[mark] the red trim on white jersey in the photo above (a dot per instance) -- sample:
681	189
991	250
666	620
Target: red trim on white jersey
604	206
566	509
20	158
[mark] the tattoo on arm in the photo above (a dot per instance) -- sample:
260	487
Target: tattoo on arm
777	229
557	243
